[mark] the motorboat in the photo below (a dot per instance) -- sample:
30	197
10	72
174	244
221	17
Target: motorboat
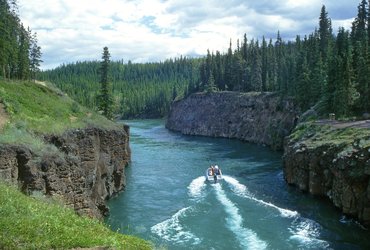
213	175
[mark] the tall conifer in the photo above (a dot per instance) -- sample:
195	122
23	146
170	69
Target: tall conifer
105	100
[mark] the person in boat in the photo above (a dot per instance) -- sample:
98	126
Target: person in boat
217	170
215	174
210	170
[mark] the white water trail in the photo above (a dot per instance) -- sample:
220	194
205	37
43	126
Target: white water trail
306	233
172	230
196	188
242	191
247	238
303	230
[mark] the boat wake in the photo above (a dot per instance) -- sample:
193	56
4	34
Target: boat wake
172	230
303	232
196	188
247	238
242	191
306	233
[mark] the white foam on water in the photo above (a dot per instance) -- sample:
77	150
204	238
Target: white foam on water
242	191
306	233
172	230
196	188
237	187
247	238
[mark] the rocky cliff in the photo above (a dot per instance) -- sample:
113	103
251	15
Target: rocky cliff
82	168
332	162
254	117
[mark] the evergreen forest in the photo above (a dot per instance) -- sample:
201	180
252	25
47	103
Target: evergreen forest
326	69
20	55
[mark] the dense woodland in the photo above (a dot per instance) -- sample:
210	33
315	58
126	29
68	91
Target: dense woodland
322	69
139	90
20	56
326	69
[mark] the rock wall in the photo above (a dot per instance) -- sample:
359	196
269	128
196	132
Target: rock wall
86	168
259	118
338	171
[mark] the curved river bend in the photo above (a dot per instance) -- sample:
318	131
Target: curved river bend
168	202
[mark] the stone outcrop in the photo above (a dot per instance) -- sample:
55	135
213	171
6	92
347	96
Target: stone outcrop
82	168
333	168
254	117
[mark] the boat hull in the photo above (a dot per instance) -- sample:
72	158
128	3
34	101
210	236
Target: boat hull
211	178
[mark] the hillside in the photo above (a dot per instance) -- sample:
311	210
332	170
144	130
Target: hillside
56	150
39	223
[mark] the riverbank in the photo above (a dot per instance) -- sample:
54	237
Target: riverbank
262	118
331	159
56	149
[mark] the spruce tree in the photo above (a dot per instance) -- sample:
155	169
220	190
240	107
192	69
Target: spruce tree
105	98
325	33
35	57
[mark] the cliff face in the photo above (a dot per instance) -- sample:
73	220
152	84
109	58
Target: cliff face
259	118
86	168
333	167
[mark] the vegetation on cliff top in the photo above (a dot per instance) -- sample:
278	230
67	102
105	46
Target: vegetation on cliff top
32	223
314	134
34	109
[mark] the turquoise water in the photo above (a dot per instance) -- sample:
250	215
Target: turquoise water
168	202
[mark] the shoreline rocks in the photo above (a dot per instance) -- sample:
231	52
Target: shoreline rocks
261	118
82	168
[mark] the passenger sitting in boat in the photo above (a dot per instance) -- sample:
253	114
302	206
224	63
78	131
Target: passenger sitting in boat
217	170
210	170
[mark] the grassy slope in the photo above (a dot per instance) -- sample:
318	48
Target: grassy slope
30	223
27	222
34	109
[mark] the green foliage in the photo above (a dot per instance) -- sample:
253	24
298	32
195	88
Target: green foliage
314	134
19	53
105	99
34	108
36	223
318	68
138	90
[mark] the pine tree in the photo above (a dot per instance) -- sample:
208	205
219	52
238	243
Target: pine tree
264	63
211	86
35	57
105	98
344	94
325	33
256	78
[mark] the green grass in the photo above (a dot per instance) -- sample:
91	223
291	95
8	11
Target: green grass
34	223
30	223
315	135
46	110
36	109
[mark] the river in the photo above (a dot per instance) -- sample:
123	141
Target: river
168	202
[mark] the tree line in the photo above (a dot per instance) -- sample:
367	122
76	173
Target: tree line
138	89
323	69
20	55
330	71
